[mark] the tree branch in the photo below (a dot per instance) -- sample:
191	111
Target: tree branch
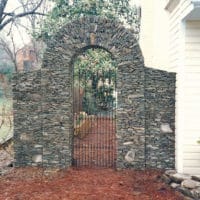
14	17
3	4
11	53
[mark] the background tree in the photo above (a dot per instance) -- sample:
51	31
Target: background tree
9	51
24	20
33	25
21	18
11	16
95	74
6	69
68	10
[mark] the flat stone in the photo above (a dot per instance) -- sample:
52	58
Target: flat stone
37	158
190	184
196	193
185	191
178	178
166	179
25	137
130	156
170	172
38	146
175	185
188	198
128	143
153	147
137	193
196	177
165	128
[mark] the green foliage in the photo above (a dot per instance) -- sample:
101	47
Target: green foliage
6	118
64	12
95	72
93	62
6	69
105	97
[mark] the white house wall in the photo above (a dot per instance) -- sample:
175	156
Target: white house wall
184	40
176	34
168	34
146	32
154	33
191	150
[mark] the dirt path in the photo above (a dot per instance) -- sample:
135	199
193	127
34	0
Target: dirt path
85	184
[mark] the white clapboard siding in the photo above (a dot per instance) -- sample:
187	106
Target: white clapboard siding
191	140
161	33
175	29
191	100
191	156
192	163
188	170
171	44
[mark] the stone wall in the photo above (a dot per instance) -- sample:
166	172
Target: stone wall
159	118
42	118
43	100
27	99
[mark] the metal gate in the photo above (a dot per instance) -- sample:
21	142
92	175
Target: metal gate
94	109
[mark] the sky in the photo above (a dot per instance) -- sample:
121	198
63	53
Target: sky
20	37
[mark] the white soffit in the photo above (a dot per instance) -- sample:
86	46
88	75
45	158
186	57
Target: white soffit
171	4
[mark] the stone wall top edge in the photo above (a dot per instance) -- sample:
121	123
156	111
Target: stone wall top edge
85	23
17	75
154	70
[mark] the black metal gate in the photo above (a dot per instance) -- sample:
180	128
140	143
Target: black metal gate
94	108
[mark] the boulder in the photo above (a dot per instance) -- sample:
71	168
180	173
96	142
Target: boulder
196	178
174	185
130	156
170	172
166	179
190	184
185	191
196	193
178	178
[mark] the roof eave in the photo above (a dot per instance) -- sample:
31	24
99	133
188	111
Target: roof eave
171	4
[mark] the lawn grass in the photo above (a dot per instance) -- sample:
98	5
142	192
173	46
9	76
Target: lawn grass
6	129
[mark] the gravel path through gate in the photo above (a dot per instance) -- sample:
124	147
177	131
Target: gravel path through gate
97	146
84	184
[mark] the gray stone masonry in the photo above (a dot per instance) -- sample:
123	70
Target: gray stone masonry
43	119
159	119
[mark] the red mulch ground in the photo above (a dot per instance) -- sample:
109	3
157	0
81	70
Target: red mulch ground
84	184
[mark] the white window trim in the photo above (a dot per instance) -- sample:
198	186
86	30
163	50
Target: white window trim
179	108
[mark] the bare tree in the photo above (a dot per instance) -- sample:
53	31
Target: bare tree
10	49
32	12
10	17
33	21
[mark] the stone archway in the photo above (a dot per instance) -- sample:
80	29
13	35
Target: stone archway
44	121
120	42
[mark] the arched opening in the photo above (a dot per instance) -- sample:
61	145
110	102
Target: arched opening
94	108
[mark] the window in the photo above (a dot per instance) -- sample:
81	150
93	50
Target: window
28	65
